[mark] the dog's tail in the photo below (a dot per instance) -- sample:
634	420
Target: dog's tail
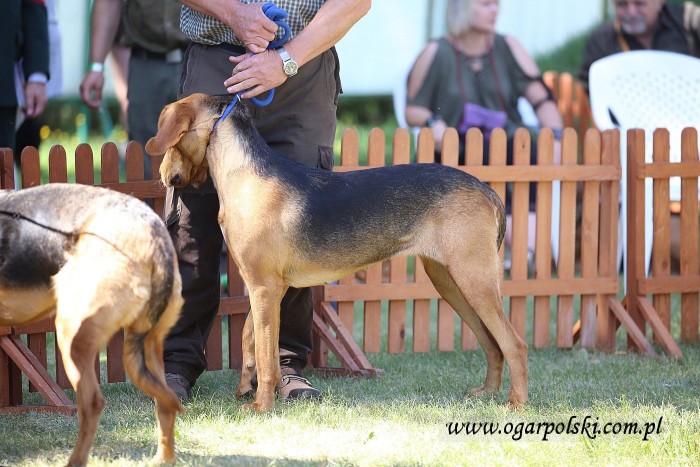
143	343
500	212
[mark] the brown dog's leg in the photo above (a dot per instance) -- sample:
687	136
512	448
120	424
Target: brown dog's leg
143	360
446	287
79	343
167	404
245	388
481	291
265	307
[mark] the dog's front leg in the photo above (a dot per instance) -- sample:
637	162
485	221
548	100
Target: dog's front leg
265	306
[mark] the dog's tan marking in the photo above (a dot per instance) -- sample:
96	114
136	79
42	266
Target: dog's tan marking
25	306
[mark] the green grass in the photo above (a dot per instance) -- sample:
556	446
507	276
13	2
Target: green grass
400	418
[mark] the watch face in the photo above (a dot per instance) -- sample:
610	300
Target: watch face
290	67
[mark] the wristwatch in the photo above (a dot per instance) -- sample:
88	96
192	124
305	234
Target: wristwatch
288	64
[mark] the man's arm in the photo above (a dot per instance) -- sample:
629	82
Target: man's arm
262	72
104	24
601	43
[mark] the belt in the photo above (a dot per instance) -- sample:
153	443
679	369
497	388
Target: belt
173	56
237	49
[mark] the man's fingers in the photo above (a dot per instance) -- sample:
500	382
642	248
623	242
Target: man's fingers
255	48
256	91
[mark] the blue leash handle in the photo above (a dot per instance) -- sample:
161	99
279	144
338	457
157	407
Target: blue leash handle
278	15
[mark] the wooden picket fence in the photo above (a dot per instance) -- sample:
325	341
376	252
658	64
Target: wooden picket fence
574	298
571	100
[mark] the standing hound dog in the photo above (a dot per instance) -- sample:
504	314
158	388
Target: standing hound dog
101	261
288	225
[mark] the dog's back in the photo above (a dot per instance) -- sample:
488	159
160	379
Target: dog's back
40	227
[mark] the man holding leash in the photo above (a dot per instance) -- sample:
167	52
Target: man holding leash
229	53
644	24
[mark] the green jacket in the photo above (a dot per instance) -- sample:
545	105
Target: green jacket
153	25
24	33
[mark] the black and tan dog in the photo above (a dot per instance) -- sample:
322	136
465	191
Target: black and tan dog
101	261
290	225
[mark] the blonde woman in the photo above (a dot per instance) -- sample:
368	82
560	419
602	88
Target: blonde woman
473	77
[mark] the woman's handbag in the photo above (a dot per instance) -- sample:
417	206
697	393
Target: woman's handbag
476	116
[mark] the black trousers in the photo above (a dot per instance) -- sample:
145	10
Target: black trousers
8	117
299	124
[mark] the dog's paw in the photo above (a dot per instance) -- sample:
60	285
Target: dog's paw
256	407
482	392
163	460
245	393
517	405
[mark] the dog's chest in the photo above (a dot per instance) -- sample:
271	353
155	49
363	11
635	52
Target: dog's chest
29	254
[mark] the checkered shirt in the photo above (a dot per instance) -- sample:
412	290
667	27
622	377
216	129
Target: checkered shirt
205	29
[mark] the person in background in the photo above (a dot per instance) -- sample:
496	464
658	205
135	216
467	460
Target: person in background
25	35
229	53
151	30
29	128
473	77
644	24
121	55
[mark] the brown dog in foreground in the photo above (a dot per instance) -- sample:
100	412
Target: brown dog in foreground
101	261
288	225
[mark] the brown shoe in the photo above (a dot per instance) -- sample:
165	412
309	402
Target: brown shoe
293	387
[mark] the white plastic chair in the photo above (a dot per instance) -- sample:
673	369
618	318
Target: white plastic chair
527	112
645	89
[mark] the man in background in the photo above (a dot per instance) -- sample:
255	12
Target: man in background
644	24
152	30
24	34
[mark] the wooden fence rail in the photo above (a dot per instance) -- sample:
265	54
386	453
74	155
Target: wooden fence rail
574	296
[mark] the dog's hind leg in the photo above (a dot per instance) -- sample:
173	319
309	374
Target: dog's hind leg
446	287
477	278
80	342
245	387
143	359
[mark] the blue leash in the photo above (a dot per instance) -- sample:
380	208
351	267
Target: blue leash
278	15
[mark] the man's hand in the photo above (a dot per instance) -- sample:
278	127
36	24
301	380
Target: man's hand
256	73
252	27
35	99
91	89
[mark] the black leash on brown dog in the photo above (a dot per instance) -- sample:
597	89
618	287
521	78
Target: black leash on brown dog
71	236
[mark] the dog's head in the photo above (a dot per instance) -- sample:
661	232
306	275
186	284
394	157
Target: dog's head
184	128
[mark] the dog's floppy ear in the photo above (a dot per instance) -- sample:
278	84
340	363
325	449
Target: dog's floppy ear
174	121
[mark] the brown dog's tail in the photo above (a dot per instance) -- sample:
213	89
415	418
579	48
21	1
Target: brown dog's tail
139	354
500	212
143	342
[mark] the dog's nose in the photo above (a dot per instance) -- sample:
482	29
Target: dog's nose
176	180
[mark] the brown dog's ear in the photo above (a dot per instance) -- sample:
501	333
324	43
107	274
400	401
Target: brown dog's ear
174	121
